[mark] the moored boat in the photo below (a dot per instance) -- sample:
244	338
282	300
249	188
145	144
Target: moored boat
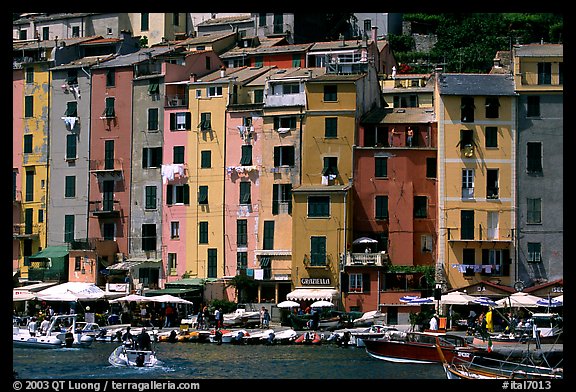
309	337
420	347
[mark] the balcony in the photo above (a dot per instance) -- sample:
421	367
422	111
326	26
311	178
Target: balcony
105	209
107	167
24	231
481	234
367	259
173	101
492	193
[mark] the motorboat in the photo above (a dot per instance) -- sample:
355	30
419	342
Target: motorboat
62	329
356	336
259	337
368	319
126	356
309	337
420	347
285	336
91	329
235	336
241	317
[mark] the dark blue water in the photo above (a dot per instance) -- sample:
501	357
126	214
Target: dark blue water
185	360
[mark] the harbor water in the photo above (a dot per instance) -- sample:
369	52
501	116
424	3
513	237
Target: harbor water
186	360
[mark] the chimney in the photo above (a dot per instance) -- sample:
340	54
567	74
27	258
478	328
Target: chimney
374	33
222	71
192	77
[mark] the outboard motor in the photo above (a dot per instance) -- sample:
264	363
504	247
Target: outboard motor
68	339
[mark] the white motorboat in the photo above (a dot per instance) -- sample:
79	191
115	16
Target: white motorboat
62	332
124	356
235	336
259	337
286	336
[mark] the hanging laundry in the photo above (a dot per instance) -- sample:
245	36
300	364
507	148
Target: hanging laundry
70	122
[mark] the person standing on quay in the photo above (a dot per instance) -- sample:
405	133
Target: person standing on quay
217	318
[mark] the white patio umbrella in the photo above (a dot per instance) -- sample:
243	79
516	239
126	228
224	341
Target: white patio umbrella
82	291
364	240
131	298
59	297
167	298
321	304
22	295
519	300
288	304
456	298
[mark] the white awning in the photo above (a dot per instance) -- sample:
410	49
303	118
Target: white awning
123	266
313	294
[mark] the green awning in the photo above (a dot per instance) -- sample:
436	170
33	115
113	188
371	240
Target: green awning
188	282
51	252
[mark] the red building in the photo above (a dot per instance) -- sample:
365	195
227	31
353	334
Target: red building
394	205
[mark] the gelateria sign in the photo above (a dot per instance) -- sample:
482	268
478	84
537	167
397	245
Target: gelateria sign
315	281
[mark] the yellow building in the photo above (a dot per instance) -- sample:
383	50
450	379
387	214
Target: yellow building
34	102
321	230
159	27
476	179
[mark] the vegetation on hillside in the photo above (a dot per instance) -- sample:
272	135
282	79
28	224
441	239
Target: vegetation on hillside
468	42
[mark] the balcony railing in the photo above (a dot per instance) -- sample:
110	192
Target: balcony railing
105	208
481	234
176	101
367	259
22	230
106	166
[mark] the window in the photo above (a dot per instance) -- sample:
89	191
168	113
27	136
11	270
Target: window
241	233
46	33
77	263
108	230
28	219
281	199
405	101
176	19
533	106
68	228
205	121
246	159
285	122
214	91
177	194
355	284
72	78
241	261
296	60
331	127
381	207
492	107
29	185
290	88
71	146
492	184
108	195
491	137
283	156
261	19
367	26
466	141
28	143
319	206
258	96
151	157
203	194
108	154
420	206
245	196
330	166
148	237
212	263
426	243
208	63
534	252
75	31
180	121
467	183
431	167
28	106
70	186
205	159
174	229
375	136
150	197
144	21
544	73
203	232
467	224
153	119
330	93
258	61
533	211
467	109
268	242
110	77
71	109
534	157
381	167
495	262
178	154
318	251
278	23
172	263
109	108
468	260
493	218
30	75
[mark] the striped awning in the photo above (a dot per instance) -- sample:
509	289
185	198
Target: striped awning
123	266
312	294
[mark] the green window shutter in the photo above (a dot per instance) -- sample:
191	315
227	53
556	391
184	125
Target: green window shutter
381	207
275	199
28	143
287	189
169	191
109	109
318	251
178	154
245	197
268	235
150	197
71	146
381	167
203	233
68	228
28	106
331	127
212	263
172	121
153	119
241	232
246	159
153	87
206	159
203	194
188	116
70	186
186	193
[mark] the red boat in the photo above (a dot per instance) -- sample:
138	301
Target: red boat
309	337
420	347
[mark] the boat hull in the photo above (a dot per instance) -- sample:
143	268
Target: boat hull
126	357
42	342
